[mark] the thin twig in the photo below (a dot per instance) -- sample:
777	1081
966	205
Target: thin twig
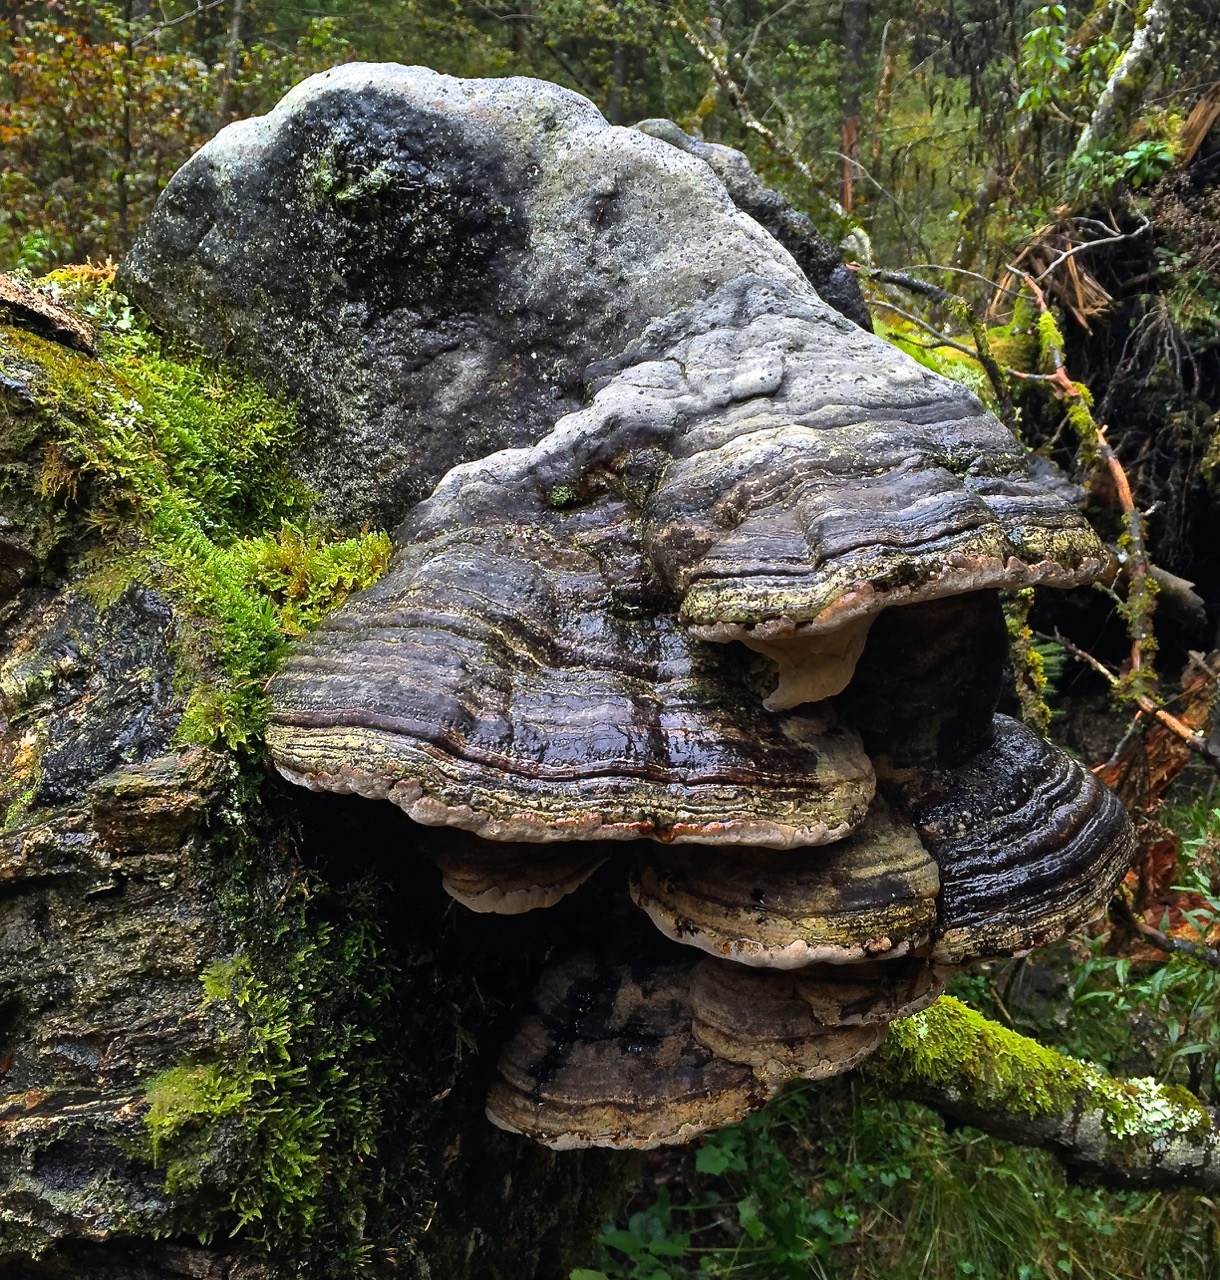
942	341
961	271
716	60
1122	910
1195	741
1063	255
154	32
1138	567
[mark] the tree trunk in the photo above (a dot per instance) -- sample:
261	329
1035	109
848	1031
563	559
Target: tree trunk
618	84
15	19
1129	77
855	22
237	20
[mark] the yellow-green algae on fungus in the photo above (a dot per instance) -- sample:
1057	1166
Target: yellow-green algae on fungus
952	1050
173	469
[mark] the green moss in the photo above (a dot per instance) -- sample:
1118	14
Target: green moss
1015	345
179	468
371	184
20	808
274	1135
562	495
185	1104
1050	341
952	1049
1027	662
950	1046
947	361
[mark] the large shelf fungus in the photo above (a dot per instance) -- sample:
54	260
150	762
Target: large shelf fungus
684	558
871	895
492	681
1028	842
644	1051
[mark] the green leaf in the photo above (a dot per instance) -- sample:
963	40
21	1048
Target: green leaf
747	1216
717	1159
624	1241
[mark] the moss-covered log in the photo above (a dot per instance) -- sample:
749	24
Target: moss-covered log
1132	1133
224	1049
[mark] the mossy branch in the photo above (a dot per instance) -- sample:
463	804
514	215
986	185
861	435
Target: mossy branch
1131	1133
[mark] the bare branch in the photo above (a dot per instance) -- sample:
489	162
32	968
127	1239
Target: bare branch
1064	254
717	62
961	271
941	340
1195	741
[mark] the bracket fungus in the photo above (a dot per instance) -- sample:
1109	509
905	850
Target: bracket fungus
684	557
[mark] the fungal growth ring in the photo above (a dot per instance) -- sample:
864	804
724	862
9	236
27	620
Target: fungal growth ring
694	577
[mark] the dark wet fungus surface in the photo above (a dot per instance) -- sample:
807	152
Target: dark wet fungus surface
1029	843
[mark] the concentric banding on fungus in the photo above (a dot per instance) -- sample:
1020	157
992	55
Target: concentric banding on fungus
1030	845
608	1059
868	897
806	498
512	683
859	995
843	537
760	1018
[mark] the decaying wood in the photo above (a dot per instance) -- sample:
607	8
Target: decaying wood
35	310
1198	125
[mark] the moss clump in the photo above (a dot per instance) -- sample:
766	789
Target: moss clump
957	365
1029	670
1015	344
179	467
950	1046
561	496
275	1135
185	1104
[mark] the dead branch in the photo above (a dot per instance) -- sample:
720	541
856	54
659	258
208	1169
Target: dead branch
1085	245
35	310
717	63
1196	742
1125	914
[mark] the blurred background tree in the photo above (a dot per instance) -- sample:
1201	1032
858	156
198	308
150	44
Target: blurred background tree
943	131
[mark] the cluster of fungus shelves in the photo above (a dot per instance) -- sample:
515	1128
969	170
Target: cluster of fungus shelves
717	598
